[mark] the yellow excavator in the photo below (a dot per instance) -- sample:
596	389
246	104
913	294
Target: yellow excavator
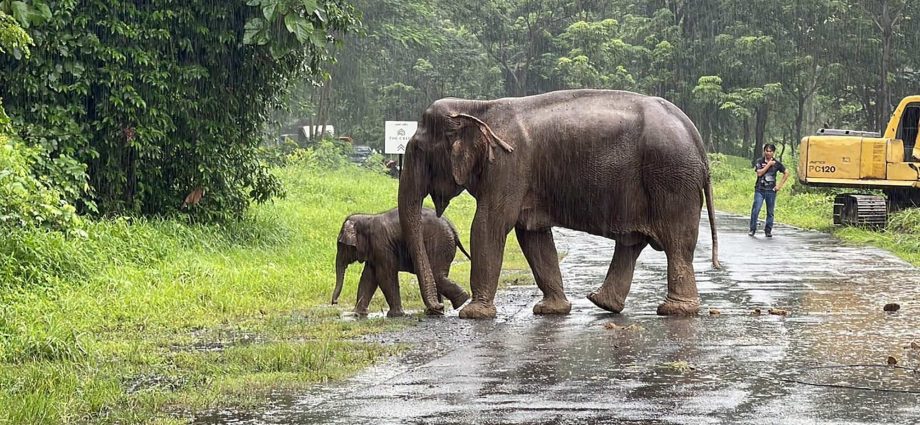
867	160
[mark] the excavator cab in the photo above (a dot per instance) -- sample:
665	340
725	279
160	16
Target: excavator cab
908	131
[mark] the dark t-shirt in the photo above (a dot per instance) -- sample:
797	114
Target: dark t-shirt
768	180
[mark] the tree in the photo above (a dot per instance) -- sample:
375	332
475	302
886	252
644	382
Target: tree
410	53
162	98
15	41
515	34
887	16
709	94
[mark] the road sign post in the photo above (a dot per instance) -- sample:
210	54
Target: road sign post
397	135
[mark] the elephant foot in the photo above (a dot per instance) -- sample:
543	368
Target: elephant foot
678	308
361	312
607	302
459	300
553	306
478	310
395	313
437	310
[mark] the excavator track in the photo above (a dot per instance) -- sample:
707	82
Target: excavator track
860	210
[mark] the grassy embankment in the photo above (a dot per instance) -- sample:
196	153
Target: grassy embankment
153	321
797	205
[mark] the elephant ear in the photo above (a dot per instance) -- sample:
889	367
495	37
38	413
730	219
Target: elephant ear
472	140
348	235
363	230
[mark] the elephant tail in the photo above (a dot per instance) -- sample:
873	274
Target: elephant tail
457	239
463	250
712	224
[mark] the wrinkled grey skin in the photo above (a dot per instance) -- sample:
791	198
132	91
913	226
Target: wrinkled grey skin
376	240
611	163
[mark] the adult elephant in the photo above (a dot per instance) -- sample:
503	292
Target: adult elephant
611	163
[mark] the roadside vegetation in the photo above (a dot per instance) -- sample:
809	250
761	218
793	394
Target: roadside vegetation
133	320
810	208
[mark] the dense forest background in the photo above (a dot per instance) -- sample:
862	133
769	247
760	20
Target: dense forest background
748	72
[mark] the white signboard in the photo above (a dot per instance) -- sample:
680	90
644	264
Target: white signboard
397	136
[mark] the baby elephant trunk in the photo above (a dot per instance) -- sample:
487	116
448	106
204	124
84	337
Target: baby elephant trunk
341	263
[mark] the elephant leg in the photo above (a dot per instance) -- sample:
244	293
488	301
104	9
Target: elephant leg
389	285
451	290
540	251
487	241
366	288
612	294
683	297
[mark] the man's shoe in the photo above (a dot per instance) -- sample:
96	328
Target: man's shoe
751	233
768	234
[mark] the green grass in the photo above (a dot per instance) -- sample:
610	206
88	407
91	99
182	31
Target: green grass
810	208
153	321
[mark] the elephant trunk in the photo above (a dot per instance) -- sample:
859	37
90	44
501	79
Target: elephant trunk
411	192
341	263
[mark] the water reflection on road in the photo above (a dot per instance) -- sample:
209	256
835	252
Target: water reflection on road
726	368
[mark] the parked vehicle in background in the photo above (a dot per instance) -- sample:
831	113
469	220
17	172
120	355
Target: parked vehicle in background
361	153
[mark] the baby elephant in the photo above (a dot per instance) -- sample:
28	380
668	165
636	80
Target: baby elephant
377	241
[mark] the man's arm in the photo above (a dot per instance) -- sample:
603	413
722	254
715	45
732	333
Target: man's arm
783	181
766	167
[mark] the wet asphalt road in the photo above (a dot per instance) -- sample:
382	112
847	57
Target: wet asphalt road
727	368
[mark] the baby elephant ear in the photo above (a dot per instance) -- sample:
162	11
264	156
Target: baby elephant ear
348	236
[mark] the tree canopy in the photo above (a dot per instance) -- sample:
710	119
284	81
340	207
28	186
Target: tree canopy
747	72
161	98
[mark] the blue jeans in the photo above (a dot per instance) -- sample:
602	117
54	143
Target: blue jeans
759	197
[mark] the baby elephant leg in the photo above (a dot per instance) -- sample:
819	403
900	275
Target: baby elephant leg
451	291
389	284
366	288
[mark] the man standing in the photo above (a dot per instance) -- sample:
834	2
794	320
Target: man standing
766	188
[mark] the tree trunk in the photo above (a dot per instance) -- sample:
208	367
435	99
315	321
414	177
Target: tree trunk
746	141
322	110
884	102
887	22
760	129
782	149
129	167
311	122
799	118
712	146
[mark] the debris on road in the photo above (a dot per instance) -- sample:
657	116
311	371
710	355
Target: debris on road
678	366
779	312
892	361
613	326
756	312
892	307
